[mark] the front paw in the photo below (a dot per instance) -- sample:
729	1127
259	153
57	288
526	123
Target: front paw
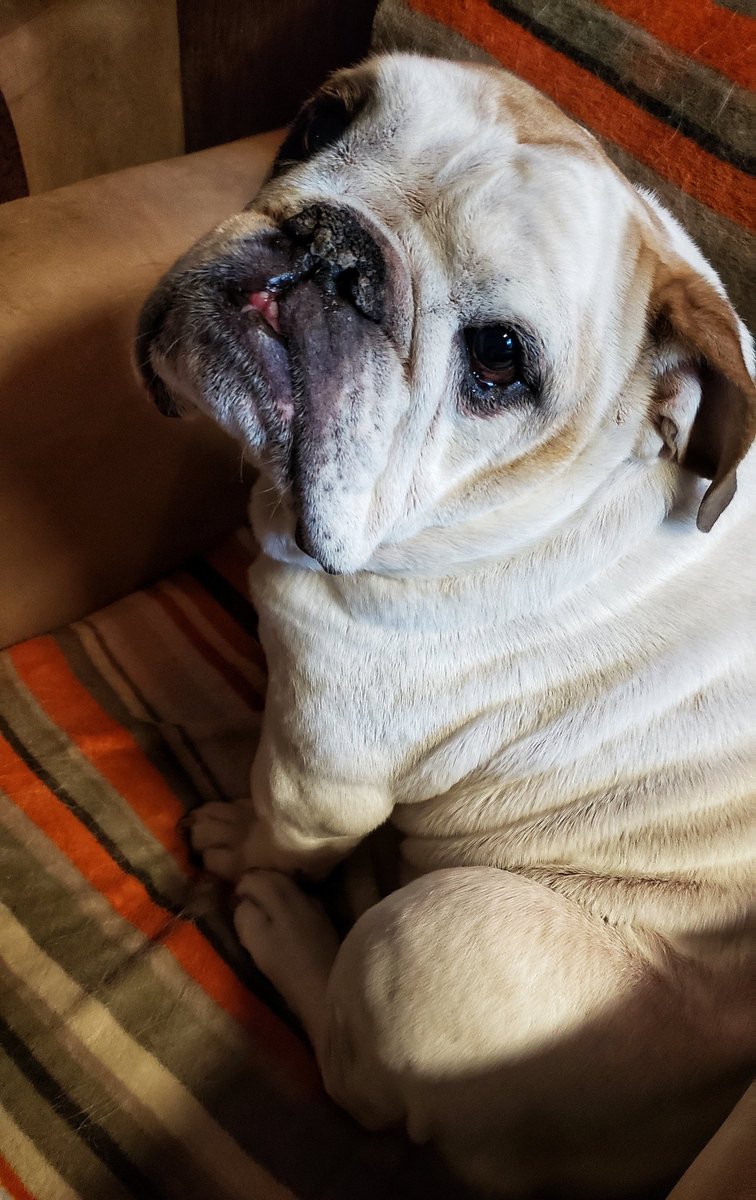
232	839
219	832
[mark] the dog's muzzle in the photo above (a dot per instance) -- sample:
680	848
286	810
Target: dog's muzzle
302	324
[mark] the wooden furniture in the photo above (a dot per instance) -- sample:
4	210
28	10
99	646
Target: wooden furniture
94	86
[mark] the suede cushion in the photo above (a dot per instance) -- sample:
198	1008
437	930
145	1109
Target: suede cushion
98	493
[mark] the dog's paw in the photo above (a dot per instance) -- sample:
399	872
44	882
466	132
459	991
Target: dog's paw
218	831
288	935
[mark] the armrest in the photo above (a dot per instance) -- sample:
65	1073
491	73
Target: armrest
98	493
726	1167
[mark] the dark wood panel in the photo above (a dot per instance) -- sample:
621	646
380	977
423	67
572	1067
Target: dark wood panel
247	65
13	183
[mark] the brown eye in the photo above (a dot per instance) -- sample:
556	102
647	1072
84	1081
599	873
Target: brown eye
495	355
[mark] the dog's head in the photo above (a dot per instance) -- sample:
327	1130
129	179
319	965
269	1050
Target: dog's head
445	322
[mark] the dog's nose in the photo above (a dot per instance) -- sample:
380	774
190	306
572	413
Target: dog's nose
342	251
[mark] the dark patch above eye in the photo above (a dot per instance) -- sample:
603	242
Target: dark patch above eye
321	122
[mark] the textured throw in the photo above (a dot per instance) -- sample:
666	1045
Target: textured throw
141	1053
663	84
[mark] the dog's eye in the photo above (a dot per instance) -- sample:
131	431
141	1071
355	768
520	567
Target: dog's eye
319	124
495	355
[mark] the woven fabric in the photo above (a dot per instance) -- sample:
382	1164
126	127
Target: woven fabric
664	86
141	1053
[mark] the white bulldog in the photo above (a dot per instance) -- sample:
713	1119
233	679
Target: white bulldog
482	378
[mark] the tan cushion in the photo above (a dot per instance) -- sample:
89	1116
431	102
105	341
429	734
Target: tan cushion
98	493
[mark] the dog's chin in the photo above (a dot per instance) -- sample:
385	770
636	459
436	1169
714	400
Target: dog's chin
285	539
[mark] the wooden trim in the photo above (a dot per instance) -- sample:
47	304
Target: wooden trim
247	65
13	184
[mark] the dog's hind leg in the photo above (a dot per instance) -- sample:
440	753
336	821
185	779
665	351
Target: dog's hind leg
501	1020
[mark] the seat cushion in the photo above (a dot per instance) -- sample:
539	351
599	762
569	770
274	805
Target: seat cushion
142	1053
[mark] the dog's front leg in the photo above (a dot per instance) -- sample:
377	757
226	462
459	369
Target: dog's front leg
294	821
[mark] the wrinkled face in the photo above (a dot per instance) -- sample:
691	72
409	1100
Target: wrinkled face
425	330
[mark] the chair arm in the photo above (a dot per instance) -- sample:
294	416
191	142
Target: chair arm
98	493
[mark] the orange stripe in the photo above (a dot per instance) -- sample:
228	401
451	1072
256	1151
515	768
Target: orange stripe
702	30
43	669
246	690
715	183
129	898
232	561
11	1182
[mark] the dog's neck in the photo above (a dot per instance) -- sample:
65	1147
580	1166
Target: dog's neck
573	551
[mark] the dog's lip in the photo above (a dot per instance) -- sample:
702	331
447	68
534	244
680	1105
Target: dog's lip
250	315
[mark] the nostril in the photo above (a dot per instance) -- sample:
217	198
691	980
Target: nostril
342	254
347	285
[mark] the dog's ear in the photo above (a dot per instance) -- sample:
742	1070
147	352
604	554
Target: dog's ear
704	406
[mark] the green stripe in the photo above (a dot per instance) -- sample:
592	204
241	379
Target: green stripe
593	35
54	1139
110	959
746	8
75	774
238	1080
148	734
304	1142
105	1101
398	27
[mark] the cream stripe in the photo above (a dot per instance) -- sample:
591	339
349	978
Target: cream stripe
172	675
114	676
155	1089
195	1004
32	1168
246	666
187	690
179	683
117	678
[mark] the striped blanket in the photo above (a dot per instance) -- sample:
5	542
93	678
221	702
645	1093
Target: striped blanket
666	86
142	1055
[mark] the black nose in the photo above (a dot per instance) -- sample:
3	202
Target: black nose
342	255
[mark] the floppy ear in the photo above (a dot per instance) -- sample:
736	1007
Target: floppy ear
705	402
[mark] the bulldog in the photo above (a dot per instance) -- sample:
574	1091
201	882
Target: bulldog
497	400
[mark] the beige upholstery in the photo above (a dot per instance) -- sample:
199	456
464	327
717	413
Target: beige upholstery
98	493
726	1167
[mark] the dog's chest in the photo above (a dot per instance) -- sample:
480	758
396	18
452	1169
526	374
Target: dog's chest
528	737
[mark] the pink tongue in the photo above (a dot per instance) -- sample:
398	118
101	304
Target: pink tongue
266	304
